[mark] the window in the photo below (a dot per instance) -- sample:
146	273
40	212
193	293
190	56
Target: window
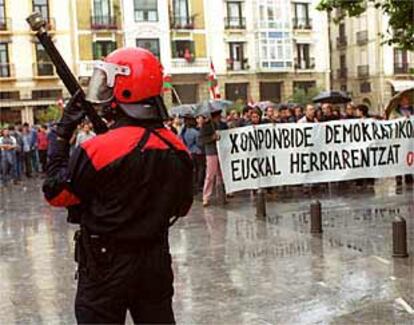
47	94
42	6
150	44
4	61
101	8
274	39
181	16
44	67
188	94
180	48
342	31
236	91
3	23
271	91
145	10
342	62
400	61
9	95
102	48
303	60
304	85
301	15
365	87
234	14
237	61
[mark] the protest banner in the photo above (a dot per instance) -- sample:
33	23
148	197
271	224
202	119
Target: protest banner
270	155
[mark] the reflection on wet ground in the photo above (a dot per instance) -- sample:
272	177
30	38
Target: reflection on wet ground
231	268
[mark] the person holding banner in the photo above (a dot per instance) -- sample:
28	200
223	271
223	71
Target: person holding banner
309	115
209	137
404	109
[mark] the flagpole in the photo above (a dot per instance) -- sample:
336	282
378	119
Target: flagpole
176	95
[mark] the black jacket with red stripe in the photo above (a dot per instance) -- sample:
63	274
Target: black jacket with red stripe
126	184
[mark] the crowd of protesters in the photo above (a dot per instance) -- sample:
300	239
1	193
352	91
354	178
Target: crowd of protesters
24	150
200	134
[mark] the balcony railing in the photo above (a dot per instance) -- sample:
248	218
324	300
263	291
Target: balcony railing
342	73
401	68
5	24
182	66
103	22
341	41
363	71
182	22
305	64
302	23
233	65
362	37
235	23
44	69
6	70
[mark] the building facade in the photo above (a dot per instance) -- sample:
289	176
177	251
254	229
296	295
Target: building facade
97	30
261	49
371	71
28	80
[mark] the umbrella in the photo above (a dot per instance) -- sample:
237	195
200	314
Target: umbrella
264	105
211	106
333	97
183	110
395	101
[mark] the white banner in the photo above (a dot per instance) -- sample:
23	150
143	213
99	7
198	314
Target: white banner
269	155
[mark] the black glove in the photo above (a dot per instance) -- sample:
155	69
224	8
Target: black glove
73	114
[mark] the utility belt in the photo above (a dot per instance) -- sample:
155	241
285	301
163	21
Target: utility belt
95	253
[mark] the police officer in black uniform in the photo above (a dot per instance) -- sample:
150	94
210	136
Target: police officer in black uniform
125	188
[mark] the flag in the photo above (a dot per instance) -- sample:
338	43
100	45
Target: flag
213	83
167	83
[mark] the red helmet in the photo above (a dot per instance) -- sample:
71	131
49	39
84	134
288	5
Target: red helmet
129	77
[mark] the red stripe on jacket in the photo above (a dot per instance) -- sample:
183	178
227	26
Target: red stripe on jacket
64	199
106	148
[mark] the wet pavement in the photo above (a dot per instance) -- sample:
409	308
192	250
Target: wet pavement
230	267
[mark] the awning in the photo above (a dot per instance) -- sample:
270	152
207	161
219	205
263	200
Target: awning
401	85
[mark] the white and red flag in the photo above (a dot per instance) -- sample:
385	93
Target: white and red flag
213	83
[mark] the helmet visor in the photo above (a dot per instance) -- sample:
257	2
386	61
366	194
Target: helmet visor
101	85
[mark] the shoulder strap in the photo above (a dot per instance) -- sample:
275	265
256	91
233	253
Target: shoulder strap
144	139
168	143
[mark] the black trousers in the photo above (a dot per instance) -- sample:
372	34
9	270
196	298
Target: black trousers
112	282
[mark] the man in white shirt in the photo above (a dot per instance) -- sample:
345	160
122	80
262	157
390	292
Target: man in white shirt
84	135
8	145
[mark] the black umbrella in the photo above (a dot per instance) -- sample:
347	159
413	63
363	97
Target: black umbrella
206	108
333	97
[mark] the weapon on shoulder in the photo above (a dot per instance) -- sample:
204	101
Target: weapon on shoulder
38	25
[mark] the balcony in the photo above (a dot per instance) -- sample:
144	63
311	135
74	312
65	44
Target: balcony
362	37
5	25
302	23
305	64
363	71
341	41
103	23
182	66
7	71
235	23
182	22
44	70
401	68
342	73
233	65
